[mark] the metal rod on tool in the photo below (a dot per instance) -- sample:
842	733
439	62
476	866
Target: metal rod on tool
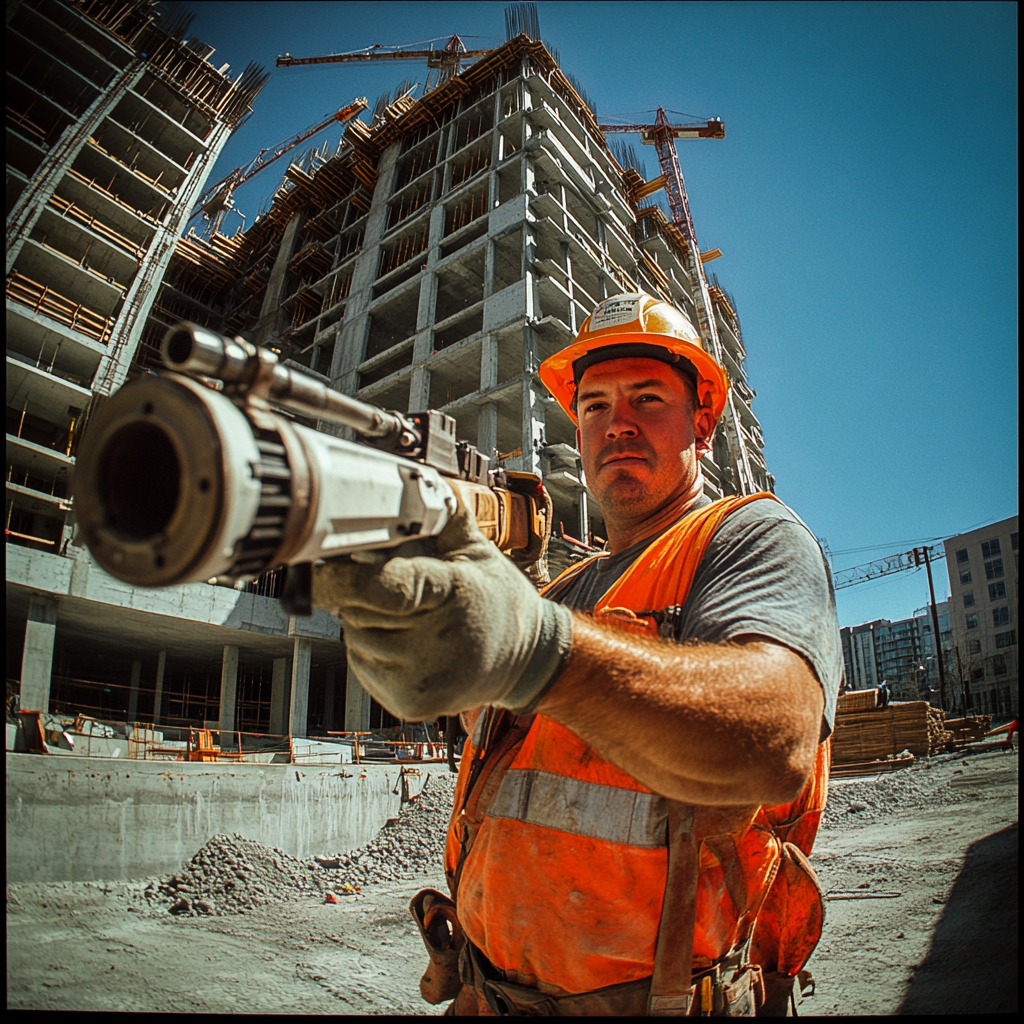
189	348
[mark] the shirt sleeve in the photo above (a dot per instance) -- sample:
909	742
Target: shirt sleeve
765	574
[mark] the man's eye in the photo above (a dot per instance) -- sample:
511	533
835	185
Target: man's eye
649	398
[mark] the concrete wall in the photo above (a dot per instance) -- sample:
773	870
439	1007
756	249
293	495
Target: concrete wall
76	819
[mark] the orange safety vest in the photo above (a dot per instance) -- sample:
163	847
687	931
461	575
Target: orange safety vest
557	859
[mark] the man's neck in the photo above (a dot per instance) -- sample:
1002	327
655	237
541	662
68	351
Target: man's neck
624	532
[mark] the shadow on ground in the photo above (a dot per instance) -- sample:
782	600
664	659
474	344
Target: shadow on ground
971	967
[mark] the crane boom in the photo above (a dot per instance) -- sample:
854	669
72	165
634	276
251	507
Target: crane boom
432	57
902	562
449	58
219	198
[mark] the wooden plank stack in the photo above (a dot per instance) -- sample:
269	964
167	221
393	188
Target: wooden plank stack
865	733
857	700
970	729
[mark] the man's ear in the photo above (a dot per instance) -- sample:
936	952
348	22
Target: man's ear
579	439
704	429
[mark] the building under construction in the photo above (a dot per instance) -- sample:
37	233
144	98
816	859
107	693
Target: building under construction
433	261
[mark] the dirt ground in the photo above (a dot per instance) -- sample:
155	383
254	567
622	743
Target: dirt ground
946	943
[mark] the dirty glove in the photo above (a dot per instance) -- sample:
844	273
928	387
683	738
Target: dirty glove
430	636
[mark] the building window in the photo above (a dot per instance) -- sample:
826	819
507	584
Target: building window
968	600
1013	541
962	556
1001	616
994	569
975	646
1007	639
976	674
990	548
998	665
996	591
965	578
972	621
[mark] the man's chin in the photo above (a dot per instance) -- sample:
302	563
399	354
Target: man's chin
625	495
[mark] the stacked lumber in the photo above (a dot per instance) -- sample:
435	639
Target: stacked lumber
939	737
970	729
877	733
852	769
857	700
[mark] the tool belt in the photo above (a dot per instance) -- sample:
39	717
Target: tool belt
727	988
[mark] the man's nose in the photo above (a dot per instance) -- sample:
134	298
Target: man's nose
622	422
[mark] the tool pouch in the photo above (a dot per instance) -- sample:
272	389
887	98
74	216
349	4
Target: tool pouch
783	993
740	994
435	916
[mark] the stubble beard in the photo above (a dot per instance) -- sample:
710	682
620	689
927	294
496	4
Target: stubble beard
627	498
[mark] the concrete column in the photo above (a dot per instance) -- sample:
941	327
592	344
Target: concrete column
133	691
419	390
302	657
37	659
489	257
488	362
279	695
534	413
357	706
487	430
158	696
329	697
228	690
271	318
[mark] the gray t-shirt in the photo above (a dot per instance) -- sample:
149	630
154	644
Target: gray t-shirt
763	573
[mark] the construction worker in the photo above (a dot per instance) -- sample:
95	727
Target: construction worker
648	754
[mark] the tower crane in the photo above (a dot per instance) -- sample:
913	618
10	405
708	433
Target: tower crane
520	18
215	202
662	135
448	59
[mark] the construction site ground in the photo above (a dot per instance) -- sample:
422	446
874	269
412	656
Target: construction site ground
942	836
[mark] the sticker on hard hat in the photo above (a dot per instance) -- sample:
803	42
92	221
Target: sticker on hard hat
623	309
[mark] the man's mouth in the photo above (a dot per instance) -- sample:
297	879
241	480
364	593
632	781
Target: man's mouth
624	457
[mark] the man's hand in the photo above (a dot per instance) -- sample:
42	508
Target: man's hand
436	636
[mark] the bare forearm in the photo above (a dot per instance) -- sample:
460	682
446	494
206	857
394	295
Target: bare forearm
720	724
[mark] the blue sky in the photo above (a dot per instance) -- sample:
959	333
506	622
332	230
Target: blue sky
864	198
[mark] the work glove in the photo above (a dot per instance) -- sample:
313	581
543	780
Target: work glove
431	636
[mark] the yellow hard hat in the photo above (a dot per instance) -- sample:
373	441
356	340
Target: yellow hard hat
639	326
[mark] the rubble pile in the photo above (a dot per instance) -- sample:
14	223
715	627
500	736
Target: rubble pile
853	804
233	875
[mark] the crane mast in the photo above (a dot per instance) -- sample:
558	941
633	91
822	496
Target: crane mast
662	135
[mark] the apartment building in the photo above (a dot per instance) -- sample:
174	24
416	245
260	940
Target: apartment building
902	654
983	576
859	654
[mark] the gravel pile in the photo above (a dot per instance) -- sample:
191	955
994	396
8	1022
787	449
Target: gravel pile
936	782
233	875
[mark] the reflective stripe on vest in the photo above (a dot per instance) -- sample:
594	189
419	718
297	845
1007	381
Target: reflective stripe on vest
582	808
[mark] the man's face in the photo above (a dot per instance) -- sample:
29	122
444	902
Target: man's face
636	430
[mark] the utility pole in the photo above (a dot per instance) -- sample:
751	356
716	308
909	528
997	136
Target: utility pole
918	558
968	703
